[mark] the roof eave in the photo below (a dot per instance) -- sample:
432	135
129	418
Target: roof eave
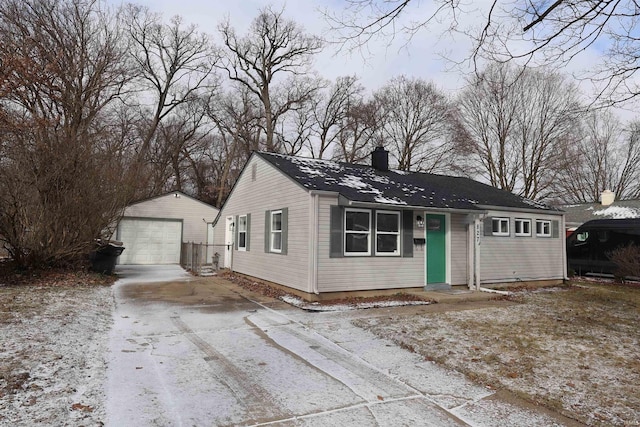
524	210
343	201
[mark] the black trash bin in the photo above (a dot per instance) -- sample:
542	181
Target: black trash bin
103	258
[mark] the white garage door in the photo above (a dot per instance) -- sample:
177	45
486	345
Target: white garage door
149	241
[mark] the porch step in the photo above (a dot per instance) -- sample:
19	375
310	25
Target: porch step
207	272
437	287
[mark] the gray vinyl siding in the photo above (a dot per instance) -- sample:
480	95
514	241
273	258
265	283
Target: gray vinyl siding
459	249
271	190
362	273
521	258
191	211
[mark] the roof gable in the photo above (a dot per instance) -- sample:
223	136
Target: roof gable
170	195
361	183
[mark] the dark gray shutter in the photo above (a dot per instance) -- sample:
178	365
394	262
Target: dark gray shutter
235	232
372	233
336	233
488	226
285	230
247	239
407	234
267	231
555	228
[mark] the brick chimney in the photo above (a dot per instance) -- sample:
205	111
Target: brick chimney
380	159
607	197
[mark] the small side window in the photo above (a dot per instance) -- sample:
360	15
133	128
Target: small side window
523	227
500	226
543	228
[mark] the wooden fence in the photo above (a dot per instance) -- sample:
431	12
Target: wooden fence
200	258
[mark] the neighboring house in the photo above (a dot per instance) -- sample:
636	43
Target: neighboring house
152	230
319	226
608	208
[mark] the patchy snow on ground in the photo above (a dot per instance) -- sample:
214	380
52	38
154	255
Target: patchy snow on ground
575	351
315	306
52	345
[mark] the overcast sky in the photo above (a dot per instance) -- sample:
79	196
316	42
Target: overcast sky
420	58
423	56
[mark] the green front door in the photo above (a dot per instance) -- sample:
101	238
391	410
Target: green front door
436	249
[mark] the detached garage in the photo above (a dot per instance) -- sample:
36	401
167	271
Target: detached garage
153	230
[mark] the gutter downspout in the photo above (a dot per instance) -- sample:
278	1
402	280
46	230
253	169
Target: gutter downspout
564	248
314	214
471	253
476	250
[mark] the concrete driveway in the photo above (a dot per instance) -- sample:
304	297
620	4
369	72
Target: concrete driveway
203	352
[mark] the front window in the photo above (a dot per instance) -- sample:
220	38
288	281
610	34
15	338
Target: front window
500	226
387	233
523	227
543	228
357	232
276	231
242	233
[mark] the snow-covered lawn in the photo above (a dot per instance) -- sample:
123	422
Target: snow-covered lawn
53	337
575	350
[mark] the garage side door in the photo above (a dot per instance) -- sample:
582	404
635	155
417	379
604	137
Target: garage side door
149	241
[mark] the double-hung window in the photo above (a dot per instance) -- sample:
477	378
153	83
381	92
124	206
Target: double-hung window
357	232
523	227
242	233
500	226
543	228
276	231
387	233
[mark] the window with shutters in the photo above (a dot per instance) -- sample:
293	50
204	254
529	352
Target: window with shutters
276	231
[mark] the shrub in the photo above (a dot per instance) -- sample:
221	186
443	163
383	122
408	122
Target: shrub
627	261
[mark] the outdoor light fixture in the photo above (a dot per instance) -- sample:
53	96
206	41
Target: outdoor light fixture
420	221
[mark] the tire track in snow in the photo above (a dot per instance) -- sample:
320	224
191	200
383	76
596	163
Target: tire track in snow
364	380
255	398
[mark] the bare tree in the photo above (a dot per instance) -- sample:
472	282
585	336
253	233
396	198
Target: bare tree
415	124
604	157
516	122
237	119
272	61
358	133
170	149
176	64
330	112
64	71
548	32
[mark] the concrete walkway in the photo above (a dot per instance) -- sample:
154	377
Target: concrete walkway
204	352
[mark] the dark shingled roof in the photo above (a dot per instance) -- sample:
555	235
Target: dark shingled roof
361	183
583	212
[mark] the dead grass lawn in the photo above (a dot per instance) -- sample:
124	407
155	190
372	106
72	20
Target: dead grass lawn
573	349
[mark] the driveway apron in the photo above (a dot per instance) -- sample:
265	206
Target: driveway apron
200	352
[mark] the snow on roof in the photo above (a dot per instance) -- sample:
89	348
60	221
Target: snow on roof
361	183
618	212
583	212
